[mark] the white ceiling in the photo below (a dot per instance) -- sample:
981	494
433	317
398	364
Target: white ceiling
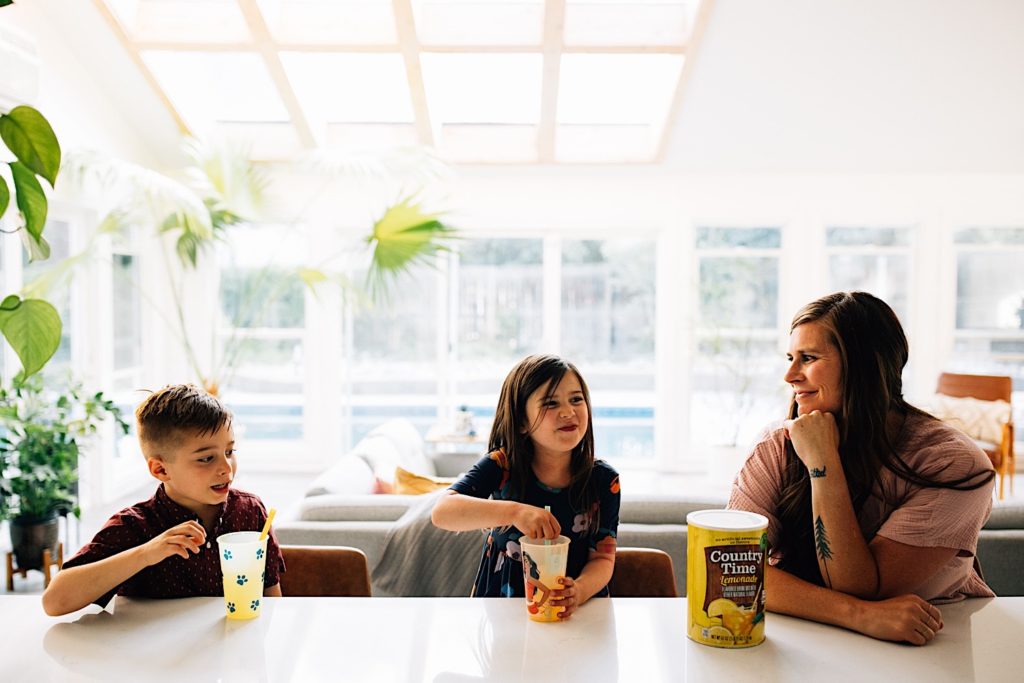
779	86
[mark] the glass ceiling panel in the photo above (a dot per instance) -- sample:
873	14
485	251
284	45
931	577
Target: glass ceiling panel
199	21
604	144
353	87
482	88
484	143
336	22
616	88
370	137
206	87
479	22
636	22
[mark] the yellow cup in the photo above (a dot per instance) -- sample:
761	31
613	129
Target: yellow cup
243	561
543	564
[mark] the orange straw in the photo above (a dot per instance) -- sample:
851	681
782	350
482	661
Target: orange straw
266	525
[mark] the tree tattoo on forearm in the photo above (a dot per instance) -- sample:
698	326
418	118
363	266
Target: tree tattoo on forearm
821	543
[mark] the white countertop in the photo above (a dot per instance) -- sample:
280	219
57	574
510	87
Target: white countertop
464	639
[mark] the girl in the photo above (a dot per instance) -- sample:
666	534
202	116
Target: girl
541	453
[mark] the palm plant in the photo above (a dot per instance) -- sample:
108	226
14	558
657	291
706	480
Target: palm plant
224	192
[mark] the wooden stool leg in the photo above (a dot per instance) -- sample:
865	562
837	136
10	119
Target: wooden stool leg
60	555
10	572
46	568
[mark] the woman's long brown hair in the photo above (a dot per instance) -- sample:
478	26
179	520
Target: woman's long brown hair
511	433
873	351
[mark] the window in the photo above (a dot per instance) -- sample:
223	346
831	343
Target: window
40	279
875	260
126	312
261	329
737	368
989	336
607	329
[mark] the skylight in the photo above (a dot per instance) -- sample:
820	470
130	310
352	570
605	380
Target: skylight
482	81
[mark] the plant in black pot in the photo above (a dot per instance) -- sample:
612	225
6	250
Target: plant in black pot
41	431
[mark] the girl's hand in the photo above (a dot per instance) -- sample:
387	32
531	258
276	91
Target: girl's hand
536	522
905	618
178	540
815	438
565	597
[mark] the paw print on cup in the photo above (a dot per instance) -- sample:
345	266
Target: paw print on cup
231	607
254	605
259	553
241	580
227	554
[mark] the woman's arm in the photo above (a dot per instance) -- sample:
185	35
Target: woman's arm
881	569
458	512
904	618
596	574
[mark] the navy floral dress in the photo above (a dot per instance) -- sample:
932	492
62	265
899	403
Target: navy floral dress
501	569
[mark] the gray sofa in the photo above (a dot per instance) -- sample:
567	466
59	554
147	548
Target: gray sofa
386	527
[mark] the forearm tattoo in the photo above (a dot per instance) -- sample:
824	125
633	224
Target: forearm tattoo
824	552
817	473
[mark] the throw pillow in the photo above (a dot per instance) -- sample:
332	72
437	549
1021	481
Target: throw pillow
978	419
350	475
408	444
408	483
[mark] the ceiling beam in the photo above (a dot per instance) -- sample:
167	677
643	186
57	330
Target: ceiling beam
241	46
271	54
700	24
408	40
554	21
133	53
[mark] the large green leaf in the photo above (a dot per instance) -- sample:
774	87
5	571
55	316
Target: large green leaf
32	328
5	3
5	196
38	249
404	236
29	136
30	197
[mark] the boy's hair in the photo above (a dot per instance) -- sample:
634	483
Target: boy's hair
177	408
511	433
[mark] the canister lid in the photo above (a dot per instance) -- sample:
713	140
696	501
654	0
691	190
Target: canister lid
727	520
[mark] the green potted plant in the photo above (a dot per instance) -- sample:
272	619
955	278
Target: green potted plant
42	432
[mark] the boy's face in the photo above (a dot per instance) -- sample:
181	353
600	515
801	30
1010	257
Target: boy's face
198	470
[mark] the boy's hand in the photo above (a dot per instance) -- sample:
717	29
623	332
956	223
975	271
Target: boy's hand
536	522
177	540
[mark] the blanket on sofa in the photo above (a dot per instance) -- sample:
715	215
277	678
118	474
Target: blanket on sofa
421	560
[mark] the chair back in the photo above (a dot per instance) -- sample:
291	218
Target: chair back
982	387
642	573
319	571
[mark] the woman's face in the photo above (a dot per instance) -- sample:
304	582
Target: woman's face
815	370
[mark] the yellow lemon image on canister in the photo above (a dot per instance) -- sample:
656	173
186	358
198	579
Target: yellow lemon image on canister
725	558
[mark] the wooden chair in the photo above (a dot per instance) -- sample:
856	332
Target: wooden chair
987	388
642	573
316	571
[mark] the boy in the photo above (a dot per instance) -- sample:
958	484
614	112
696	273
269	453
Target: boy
166	547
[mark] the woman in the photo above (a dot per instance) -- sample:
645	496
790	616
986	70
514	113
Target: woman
874	506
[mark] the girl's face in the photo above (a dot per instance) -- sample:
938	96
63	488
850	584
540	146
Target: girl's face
557	418
815	370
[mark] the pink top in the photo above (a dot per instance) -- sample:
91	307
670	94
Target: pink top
897	509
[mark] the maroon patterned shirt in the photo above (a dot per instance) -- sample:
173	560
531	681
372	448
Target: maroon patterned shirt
176	577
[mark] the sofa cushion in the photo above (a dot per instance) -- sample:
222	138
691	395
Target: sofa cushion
329	508
981	420
1006	516
350	475
380	453
408	444
417	484
664	509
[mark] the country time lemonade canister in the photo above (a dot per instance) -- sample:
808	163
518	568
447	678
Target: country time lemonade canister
725	577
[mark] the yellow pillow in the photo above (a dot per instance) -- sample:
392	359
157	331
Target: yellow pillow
408	483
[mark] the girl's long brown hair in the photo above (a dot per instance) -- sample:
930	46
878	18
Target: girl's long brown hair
873	350
511	432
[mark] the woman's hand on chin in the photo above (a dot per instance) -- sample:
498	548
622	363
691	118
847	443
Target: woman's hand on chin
815	438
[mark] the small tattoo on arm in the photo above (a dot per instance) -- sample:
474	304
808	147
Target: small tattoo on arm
824	551
817	473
